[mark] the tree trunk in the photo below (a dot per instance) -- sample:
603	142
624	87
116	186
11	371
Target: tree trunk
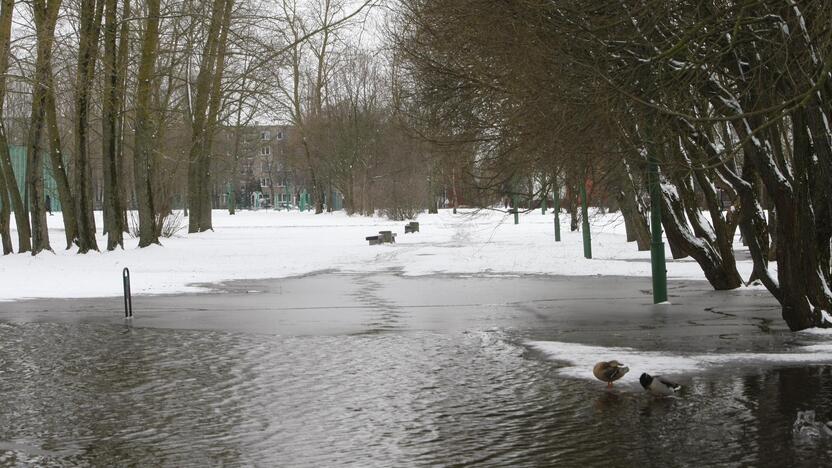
121	92
6	13
803	284
45	15
21	213
90	27
206	222
59	170
198	168
144	147
5	213
721	273
110	106
633	210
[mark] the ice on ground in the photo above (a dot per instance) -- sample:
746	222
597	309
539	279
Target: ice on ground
276	244
817	331
580	359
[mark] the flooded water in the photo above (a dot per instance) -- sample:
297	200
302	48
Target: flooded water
386	371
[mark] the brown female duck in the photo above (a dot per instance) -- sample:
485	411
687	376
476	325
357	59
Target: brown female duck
609	371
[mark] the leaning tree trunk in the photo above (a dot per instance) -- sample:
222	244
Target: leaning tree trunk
720	272
803	285
21	213
59	170
145	143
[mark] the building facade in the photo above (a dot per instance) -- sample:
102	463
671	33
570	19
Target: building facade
257	170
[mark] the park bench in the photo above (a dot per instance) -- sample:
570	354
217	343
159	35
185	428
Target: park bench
412	226
383	237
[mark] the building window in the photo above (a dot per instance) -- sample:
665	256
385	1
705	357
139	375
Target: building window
264	167
266	150
279	135
265	135
265	182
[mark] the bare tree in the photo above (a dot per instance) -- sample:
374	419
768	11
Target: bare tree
6	185
144	148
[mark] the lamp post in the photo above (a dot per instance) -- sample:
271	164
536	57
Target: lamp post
515	208
657	260
585	223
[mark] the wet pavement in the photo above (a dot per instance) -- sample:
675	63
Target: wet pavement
384	370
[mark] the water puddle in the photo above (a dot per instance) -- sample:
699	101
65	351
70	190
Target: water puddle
358	370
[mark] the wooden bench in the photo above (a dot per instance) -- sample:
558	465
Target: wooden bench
412	226
383	237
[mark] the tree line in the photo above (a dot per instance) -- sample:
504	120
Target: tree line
126	99
732	99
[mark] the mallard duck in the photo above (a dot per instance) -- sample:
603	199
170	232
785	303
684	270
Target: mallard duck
658	385
609	371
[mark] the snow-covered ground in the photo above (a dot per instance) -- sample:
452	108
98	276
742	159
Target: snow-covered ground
272	244
580	359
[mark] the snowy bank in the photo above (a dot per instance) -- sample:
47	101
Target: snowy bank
274	244
579	359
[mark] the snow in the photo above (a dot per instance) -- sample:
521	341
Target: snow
580	359
274	244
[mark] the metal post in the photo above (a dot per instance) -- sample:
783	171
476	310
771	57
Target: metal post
515	209
585	223
657	260
556	207
128	299
543	203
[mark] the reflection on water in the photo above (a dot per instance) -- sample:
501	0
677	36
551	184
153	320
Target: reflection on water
107	395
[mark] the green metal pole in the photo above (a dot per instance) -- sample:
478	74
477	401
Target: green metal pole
585	223
657	260
514	208
556	207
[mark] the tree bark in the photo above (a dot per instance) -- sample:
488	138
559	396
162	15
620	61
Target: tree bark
633	211
21	213
121	91
215	96
721	273
6	13
45	15
59	170
144	147
5	216
197	189
90	27
110	107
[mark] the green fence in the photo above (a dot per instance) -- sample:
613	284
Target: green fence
18	156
